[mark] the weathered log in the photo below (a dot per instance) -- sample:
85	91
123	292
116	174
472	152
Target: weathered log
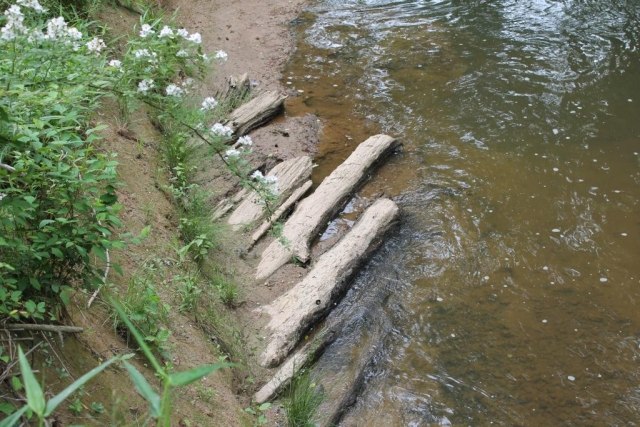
255	112
303	357
313	212
294	312
290	174
225	205
301	191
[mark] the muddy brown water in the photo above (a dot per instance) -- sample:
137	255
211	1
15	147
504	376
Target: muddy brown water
509	293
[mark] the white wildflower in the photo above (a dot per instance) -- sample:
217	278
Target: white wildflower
231	153
115	63
32	4
56	28
95	45
146	54
221	55
195	38
257	175
209	103
2	196
173	90
166	31
182	53
219	129
145	85
272	182
35	35
14	25
183	33
74	34
245	140
146	31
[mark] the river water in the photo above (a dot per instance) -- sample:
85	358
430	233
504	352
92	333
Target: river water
509	293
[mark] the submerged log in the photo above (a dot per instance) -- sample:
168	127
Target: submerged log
290	174
255	112
313	212
295	311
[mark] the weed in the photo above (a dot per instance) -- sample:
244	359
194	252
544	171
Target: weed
227	290
144	308
302	401
189	291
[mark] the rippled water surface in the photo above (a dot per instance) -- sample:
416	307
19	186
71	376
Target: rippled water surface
510	292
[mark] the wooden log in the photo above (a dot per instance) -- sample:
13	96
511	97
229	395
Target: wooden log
291	174
255	112
294	312
301	191
313	212
303	357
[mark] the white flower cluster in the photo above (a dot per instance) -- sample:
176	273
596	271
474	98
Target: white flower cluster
32	4
245	140
221	55
221	130
115	63
209	103
271	182
145	86
147	54
95	45
173	90
14	25
146	30
232	153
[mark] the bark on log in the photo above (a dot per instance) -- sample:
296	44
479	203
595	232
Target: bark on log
296	310
255	112
290	174
313	212
301	191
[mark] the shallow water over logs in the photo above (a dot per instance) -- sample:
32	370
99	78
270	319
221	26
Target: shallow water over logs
509	293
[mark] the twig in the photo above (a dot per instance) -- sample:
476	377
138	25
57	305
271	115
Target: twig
45	328
7	167
104	279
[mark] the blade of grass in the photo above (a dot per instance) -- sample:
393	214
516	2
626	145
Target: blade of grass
144	388
187	377
35	396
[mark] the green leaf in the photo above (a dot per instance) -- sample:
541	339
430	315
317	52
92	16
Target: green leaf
12	420
144	388
60	397
35	396
57	252
6	408
187	377
100	253
264	406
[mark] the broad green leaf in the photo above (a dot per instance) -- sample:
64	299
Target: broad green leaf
60	397
35	396
144	388
12	420
187	377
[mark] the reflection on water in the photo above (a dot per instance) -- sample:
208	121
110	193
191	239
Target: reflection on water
510	291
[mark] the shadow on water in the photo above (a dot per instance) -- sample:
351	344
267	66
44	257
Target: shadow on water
509	293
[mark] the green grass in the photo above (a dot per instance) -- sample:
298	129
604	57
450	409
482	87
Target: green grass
302	401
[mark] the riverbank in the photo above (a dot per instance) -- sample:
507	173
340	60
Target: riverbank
257	38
